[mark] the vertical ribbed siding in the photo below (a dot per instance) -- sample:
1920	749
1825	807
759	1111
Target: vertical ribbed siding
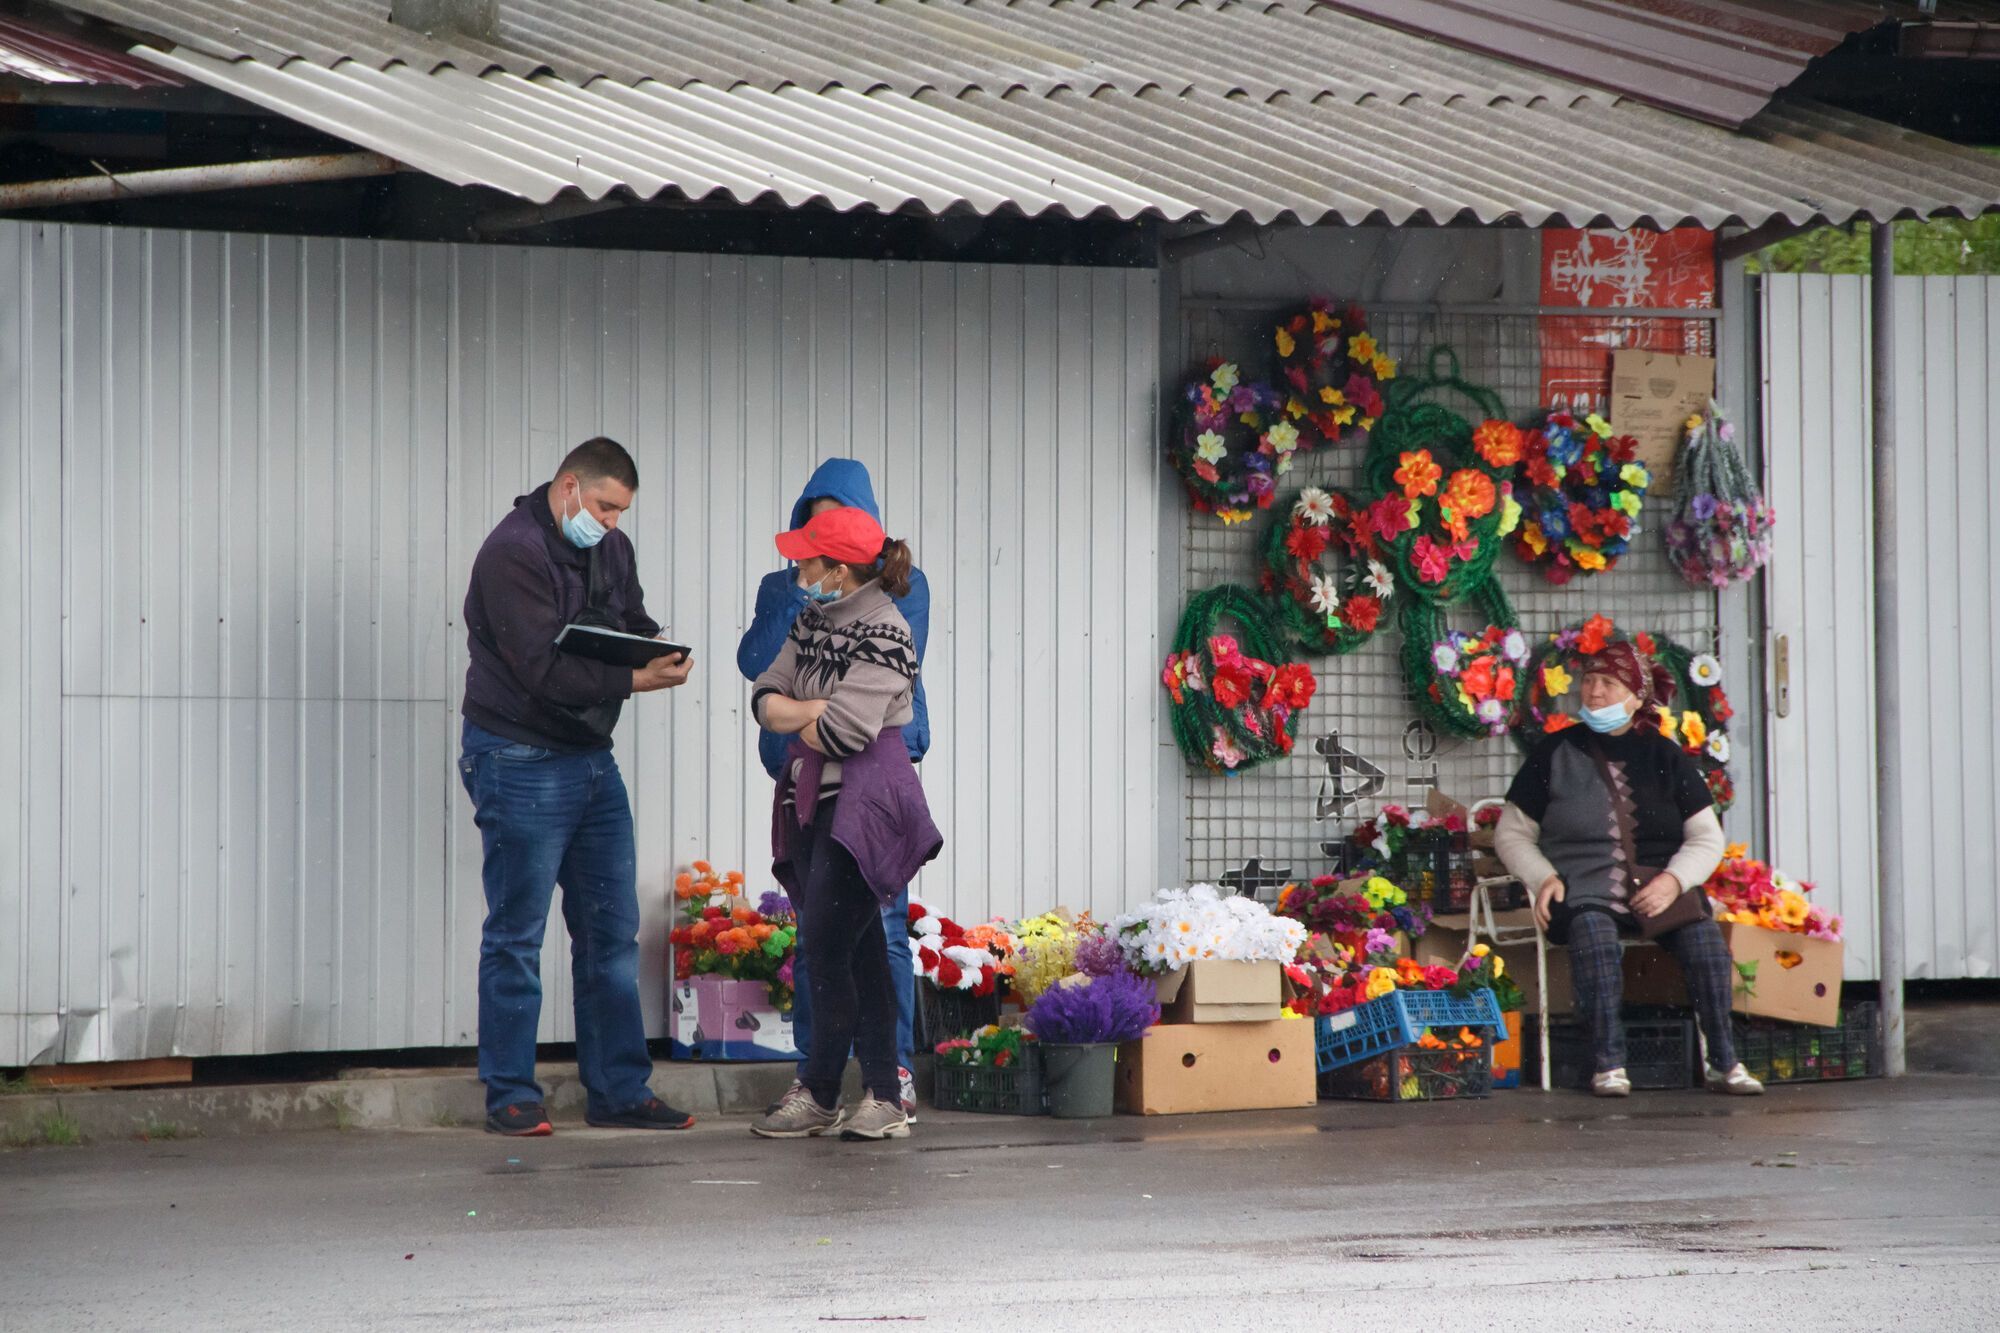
1948	579
246	477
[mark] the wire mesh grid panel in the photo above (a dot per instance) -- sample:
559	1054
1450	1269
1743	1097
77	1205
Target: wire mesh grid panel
1361	744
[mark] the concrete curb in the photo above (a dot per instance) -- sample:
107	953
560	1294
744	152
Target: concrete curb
368	1099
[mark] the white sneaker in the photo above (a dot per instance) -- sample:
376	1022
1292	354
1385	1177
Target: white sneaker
1611	1083
1737	1082
909	1082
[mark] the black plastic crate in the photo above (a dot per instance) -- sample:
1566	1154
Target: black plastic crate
1777	1052
944	1014
1660	1054
1414	1074
1016	1089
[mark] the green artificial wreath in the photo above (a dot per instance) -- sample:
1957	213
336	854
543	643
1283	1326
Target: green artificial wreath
1324	613
1234	698
1436	689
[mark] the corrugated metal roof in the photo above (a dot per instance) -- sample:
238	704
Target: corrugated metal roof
1176	156
1718	60
45	53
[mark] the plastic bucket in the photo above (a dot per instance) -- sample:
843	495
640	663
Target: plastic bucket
1079	1079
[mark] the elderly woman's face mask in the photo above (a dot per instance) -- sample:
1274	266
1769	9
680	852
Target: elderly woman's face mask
1607	704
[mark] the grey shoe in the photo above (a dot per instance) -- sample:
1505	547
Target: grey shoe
1738	1082
1611	1083
796	1116
875	1119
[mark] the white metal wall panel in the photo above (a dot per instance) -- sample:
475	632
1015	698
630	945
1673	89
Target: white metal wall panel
1823	769
231	817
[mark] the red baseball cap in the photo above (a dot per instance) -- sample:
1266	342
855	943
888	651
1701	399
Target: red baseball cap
850	536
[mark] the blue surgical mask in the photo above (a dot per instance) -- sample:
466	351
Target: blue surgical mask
1607	719
817	591
582	527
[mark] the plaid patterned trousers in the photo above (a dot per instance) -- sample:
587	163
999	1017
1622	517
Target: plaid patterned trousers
1599	975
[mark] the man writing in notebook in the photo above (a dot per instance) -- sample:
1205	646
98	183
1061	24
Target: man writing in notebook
551	806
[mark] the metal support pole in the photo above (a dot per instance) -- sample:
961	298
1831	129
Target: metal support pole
105	187
1888	644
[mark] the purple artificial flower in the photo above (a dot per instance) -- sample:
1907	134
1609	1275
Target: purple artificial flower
785	972
1114	1008
1379	942
774	904
1098	955
1702	507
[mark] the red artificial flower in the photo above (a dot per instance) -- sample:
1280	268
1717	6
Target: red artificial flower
1596	633
712	914
1646	643
1231	688
1541	471
1206	471
1439	977
1560	572
1624	448
1504	685
985	986
1433	561
1478	678
1387	518
1293	685
1561	419
1297	376
1308	541
949	973
1718	704
1362	612
1557	722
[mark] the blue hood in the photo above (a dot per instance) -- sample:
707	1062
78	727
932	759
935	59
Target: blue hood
842	479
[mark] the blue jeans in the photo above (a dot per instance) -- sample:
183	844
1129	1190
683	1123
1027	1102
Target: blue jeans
902	975
548	818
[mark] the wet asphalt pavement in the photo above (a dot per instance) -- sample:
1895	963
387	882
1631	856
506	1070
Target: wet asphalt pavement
1856	1206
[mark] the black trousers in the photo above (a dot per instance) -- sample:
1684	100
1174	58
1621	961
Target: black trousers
847	969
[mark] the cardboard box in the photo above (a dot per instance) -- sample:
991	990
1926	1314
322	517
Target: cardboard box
1214	990
1806	991
1184	1067
717	1018
1797	979
1442	944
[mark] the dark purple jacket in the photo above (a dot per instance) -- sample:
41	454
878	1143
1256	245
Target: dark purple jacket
881	818
528	581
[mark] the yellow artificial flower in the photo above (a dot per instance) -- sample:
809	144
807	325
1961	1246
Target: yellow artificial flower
1510	514
1294	407
1693	423
1555	680
1368	423
1231	517
1736	851
1586	557
1323	322
1628	501
1597	424
1285	344
1362	348
1385	368
1635	474
1670	726
1248	418
1532	538
1344	415
1792	908
1499	967
1332	397
1380	982
1481	950
1694	732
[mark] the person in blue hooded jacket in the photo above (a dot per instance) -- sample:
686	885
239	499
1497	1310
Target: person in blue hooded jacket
836	483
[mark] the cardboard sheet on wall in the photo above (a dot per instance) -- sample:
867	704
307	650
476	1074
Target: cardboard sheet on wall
1652	396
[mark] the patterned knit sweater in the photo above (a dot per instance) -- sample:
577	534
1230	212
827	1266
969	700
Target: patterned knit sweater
858	655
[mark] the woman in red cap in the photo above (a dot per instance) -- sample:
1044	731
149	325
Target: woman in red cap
850	826
1614	825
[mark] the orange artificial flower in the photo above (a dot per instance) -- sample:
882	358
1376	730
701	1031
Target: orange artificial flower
1418	474
1500	443
1596	633
1471	493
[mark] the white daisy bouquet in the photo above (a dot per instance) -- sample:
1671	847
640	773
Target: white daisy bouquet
1183	926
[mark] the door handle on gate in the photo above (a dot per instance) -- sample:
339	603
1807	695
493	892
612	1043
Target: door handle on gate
1781	673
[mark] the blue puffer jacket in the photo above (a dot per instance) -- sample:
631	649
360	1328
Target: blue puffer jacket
779	600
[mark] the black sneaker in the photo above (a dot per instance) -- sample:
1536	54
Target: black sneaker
522	1120
649	1114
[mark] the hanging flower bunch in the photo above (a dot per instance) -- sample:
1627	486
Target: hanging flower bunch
1584	490
1696	719
1749	892
1231	445
1181	926
1723	531
1476	678
718	933
1331	373
1325	611
952	958
1232	708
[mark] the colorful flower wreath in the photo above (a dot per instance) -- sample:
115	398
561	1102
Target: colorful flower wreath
1583	491
1233	703
1324	612
1477	677
1331	370
1697	720
1231	445
1723	531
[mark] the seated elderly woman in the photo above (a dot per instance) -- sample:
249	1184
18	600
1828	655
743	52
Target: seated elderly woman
1613	822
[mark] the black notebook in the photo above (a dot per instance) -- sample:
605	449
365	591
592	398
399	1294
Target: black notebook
609	645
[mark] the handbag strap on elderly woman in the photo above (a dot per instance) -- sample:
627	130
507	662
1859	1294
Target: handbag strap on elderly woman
1692	904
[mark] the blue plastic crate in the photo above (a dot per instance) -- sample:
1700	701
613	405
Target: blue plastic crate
1397	1019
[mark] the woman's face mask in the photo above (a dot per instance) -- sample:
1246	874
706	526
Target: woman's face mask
816	590
1607	704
